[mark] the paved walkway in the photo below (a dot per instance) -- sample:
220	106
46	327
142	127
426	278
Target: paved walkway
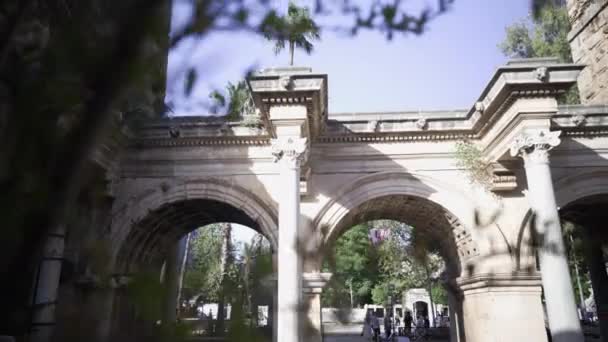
350	333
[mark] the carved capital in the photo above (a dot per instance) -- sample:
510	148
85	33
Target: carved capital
578	120
535	147
421	123
542	74
289	149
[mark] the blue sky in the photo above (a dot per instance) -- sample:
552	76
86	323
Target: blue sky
444	68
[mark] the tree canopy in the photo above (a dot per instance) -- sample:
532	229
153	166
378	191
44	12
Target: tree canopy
296	29
543	35
371	270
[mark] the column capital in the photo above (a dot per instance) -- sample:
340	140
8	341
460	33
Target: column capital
290	150
535	146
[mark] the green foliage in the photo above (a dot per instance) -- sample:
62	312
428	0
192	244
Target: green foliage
575	249
380	294
354	264
238	100
297	29
400	263
216	272
544	35
203	273
440	295
469	157
147	293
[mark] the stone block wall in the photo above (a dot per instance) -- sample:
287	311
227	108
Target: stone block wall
589	42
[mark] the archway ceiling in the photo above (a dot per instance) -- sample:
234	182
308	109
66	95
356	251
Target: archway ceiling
589	211
432	224
151	236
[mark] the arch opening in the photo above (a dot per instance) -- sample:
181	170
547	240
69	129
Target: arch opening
149	252
439	233
582	212
437	228
586	242
149	238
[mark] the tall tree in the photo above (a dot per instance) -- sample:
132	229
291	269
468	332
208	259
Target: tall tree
203	268
256	265
227	259
182	272
543	35
296	29
354	265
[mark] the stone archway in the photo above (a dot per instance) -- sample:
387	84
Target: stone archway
433	208
583	199
570	190
419	199
153	220
201	202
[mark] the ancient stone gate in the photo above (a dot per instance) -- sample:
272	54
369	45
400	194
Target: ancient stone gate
302	177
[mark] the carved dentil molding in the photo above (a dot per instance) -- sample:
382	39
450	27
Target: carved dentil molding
289	149
535	147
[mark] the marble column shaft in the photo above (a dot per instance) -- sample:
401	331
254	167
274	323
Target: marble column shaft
288	150
557	285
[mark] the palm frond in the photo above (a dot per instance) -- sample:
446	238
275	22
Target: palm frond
296	27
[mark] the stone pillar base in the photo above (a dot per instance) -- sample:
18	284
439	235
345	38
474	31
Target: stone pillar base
503	308
312	320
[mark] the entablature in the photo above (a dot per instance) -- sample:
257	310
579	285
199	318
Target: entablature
519	79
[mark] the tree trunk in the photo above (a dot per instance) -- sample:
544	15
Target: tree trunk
182	272
432	306
291	52
226	252
350	287
581	299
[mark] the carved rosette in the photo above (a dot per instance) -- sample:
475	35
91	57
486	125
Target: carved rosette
290	150
535	147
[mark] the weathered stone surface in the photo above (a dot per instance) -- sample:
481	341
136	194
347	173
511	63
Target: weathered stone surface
589	43
359	167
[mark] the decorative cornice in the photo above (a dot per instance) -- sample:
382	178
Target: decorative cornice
286	99
586	133
398	137
201	141
477	125
504	181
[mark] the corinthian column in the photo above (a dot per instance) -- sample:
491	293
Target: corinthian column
559	296
288	152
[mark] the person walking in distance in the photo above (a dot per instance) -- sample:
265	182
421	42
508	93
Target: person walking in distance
407	323
367	326
376	327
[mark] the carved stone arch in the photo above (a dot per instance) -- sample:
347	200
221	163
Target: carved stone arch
454	207
568	189
573	187
155	197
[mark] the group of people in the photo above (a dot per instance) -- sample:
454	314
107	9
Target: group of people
402	326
